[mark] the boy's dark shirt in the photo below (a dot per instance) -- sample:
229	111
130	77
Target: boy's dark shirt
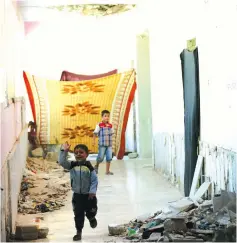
81	163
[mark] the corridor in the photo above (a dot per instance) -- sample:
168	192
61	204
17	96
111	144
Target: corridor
135	189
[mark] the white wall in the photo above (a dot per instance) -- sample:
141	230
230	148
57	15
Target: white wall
171	24
11	58
11	38
218	74
212	23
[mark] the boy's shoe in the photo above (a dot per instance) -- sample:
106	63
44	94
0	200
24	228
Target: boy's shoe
109	173
93	223
77	237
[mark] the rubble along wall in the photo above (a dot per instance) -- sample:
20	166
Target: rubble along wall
14	144
219	163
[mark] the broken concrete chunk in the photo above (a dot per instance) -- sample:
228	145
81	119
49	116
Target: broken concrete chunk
154	237
225	199
210	218
175	225
115	229
26	233
43	232
181	205
167	212
144	217
223	219
200	200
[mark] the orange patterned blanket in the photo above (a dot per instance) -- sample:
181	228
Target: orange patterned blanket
69	111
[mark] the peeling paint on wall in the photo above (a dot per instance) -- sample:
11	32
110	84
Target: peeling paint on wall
169	157
220	166
219	163
13	158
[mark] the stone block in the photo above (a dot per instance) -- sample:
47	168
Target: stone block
26	233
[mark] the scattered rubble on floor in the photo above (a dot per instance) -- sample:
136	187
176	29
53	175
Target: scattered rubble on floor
44	187
185	221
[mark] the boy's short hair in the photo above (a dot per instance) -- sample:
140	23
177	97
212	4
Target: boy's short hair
104	112
83	147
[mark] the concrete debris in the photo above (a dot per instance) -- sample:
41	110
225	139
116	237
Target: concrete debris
175	225
154	237
225	199
184	221
115	229
44	187
144	217
38	152
182	205
29	233
26	233
52	156
182	238
43	232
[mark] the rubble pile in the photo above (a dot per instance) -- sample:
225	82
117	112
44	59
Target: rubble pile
44	187
185	220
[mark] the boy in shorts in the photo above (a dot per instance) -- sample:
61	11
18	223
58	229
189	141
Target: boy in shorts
104	130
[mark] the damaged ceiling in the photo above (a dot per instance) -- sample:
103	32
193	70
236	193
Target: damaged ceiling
95	9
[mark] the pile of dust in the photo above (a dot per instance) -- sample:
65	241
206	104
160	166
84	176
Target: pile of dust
44	187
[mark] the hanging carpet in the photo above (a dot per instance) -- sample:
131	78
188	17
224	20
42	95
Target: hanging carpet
67	76
69	111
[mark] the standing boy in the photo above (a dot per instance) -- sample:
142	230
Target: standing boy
104	130
84	183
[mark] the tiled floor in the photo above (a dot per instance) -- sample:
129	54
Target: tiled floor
135	189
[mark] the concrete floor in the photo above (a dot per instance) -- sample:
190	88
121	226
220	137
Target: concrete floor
134	189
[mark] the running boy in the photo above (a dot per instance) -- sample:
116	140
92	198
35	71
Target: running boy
104	130
84	183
